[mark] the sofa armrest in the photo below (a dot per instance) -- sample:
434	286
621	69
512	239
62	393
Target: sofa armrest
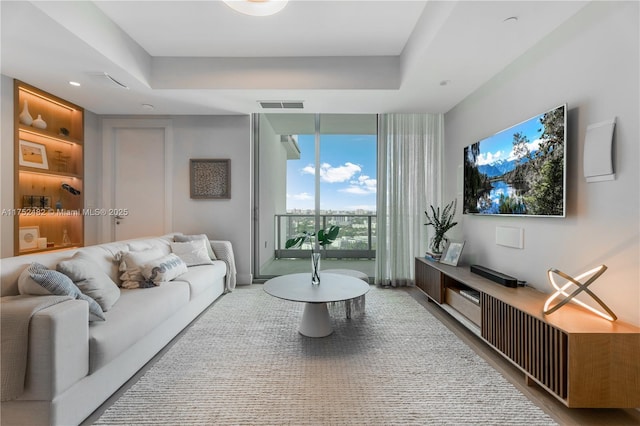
58	349
224	251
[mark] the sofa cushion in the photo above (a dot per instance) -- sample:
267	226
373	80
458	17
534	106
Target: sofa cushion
92	281
134	316
192	252
131	264
61	285
165	268
201	277
185	238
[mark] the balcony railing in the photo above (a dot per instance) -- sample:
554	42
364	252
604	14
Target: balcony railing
357	238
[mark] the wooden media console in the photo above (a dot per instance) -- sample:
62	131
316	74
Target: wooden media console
583	360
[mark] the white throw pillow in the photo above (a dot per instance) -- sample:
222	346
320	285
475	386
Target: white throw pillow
185	238
131	264
192	252
91	280
164	269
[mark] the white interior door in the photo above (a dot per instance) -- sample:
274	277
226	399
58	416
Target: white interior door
138	176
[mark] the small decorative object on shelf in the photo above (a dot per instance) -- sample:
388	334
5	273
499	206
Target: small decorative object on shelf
435	257
441	222
64	131
323	238
24	117
595	273
39	123
66	241
70	188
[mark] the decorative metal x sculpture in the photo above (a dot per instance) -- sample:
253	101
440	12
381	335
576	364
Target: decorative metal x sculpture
581	287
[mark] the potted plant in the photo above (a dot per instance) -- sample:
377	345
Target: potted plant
323	238
441	222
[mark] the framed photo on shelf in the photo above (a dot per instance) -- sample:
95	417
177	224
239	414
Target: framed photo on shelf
32	154
451	253
210	178
29	237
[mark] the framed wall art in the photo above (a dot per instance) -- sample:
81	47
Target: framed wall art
29	237
32	154
210	178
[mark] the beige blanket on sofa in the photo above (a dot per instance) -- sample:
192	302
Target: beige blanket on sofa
15	315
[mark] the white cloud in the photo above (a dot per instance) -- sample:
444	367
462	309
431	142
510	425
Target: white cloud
303	196
363	185
332	174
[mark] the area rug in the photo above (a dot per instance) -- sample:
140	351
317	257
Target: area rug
243	362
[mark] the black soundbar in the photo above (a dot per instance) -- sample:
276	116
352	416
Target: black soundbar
496	276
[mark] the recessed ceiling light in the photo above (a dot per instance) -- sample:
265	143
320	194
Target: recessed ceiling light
445	82
148	107
257	7
74	83
511	19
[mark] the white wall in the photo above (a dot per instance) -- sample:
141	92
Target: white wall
592	64
215	137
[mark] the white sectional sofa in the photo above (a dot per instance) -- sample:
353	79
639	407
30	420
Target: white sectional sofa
74	365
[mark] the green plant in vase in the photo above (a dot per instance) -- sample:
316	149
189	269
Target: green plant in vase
324	237
441	222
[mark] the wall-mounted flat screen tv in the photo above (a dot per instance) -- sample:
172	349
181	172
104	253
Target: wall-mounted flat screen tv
519	171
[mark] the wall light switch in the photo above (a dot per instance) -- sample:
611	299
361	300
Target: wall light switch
510	237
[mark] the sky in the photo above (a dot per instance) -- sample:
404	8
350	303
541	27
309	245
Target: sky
347	173
500	146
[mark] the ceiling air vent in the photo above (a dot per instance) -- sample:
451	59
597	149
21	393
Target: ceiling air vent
106	78
281	104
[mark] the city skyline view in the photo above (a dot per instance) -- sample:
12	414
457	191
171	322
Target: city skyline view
347	174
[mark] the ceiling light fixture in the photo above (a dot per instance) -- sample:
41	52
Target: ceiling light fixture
257	7
74	83
511	19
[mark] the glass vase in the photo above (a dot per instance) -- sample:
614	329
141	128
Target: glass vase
315	268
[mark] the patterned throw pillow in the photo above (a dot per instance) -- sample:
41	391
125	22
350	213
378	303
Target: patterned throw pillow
186	238
193	252
164	269
59	284
91	280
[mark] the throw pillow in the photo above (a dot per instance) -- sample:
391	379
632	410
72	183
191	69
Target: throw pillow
61	285
192	252
131	266
186	238
91	280
164	269
26	285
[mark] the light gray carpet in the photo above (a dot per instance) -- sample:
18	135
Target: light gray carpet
243	362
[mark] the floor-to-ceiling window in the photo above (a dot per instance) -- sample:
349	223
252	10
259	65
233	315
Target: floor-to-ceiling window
313	171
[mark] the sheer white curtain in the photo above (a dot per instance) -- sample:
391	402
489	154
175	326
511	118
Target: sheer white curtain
409	180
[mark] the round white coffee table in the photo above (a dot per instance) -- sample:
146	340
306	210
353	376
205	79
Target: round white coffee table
333	288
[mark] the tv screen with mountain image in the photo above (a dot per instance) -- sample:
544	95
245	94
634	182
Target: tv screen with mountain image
520	170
